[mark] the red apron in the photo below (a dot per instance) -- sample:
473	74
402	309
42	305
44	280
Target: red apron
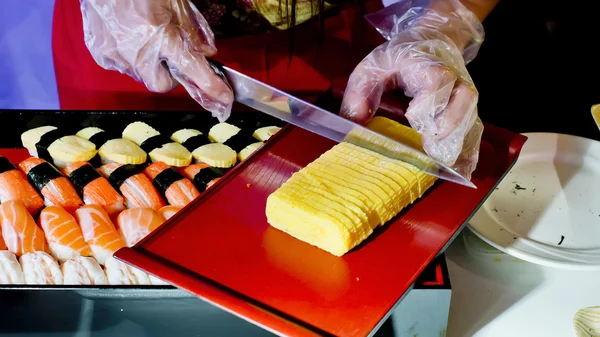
83	85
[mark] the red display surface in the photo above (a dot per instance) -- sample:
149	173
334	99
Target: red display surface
222	249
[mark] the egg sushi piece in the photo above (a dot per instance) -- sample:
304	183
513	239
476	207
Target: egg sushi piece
214	154
241	141
56	146
158	147
112	149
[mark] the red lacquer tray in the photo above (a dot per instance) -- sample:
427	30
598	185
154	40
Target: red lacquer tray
222	249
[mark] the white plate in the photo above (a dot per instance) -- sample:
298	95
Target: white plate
547	208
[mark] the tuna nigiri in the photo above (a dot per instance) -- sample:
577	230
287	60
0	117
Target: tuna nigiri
178	190
99	232
54	187
65	239
19	230
10	269
202	175
133	185
40	268
94	188
83	270
14	186
135	223
168	211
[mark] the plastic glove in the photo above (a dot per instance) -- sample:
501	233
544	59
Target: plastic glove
159	42
425	56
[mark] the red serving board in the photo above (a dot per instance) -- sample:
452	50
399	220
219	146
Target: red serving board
222	249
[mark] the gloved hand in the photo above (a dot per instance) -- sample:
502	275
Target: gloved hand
425	56
159	42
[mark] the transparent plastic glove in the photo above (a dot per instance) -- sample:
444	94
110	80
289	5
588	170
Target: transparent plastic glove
160	43
425	56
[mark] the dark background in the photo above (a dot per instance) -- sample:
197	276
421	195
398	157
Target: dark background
538	67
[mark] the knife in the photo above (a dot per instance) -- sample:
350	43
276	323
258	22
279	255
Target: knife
274	102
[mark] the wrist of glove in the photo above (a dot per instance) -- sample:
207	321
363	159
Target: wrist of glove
425	56
161	43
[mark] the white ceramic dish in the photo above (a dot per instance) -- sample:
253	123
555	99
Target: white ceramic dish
547	209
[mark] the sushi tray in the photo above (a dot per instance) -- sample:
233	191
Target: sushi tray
59	169
231	246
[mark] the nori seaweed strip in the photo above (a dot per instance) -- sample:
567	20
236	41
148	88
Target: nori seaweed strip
195	142
96	161
83	176
163	180
46	140
205	176
100	138
240	140
6	165
42	174
122	173
155	142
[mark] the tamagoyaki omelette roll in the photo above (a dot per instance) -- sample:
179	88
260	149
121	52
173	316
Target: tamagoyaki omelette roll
159	148
176	189
93	188
51	184
14	186
112	148
57	146
205	151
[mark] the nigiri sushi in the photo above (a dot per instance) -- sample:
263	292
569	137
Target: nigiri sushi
135	223
177	189
133	185
265	133
20	232
51	184
83	270
112	149
94	188
40	268
158	147
64	237
99	232
214	154
119	273
56	146
10	269
14	186
239	140
168	211
202	175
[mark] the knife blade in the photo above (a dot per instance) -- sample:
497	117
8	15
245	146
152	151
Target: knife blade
274	102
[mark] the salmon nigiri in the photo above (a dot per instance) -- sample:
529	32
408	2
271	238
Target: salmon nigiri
93	188
99	232
202	175
64	236
168	211
20	232
133	185
54	187
14	186
135	223
178	190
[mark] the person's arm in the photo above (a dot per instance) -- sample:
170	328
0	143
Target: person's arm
481	8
